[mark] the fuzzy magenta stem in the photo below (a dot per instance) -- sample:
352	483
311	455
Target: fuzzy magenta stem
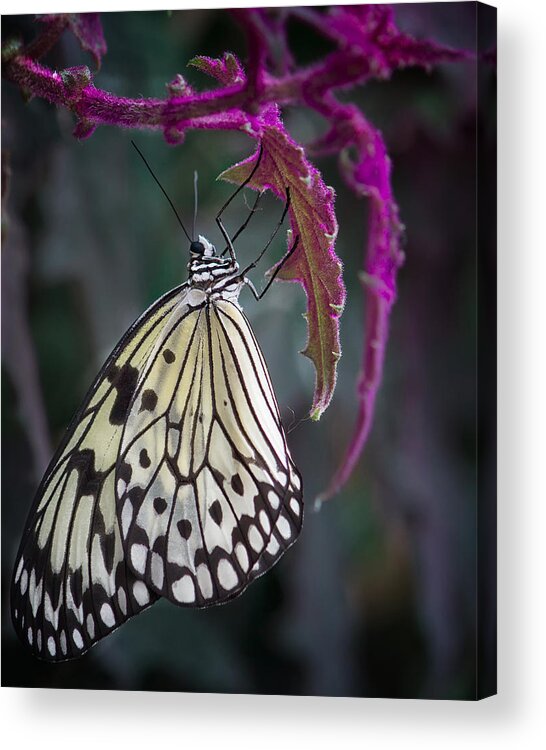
48	38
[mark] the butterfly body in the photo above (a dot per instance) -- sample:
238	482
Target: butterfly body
174	478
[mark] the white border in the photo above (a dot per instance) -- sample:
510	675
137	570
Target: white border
57	719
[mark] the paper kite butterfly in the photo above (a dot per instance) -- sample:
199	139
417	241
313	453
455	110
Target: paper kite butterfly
174	478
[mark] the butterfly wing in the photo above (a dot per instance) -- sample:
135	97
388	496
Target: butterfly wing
280	506
71	584
209	497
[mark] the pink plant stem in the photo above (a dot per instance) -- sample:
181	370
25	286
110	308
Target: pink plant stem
47	39
257	52
376	322
104	108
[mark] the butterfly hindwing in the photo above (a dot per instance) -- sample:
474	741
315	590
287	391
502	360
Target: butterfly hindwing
209	497
278	504
71	584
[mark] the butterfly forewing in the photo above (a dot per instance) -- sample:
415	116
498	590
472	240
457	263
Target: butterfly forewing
209	497
71	585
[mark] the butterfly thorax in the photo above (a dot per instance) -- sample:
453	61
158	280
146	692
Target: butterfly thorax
206	268
209	272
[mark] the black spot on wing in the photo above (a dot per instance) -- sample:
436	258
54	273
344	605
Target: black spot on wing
160	505
90	481
149	400
168	356
124	381
108	547
237	484
215	512
136	496
76	586
125	472
144	458
160	545
184	527
112	372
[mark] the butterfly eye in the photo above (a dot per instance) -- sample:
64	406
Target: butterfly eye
197	248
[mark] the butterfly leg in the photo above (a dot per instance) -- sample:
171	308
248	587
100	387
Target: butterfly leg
251	286
274	234
230	199
249	217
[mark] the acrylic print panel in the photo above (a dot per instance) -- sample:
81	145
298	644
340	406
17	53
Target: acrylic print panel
178	486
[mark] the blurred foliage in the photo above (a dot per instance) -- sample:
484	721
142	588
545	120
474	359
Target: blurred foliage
378	596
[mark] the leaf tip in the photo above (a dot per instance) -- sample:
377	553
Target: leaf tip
84	128
178	87
316	413
173	136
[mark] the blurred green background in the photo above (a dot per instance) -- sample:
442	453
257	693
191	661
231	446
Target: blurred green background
378	597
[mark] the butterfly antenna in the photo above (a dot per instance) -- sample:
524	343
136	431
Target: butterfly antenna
162	190
195	202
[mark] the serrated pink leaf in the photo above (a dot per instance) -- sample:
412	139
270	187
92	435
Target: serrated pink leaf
315	264
227	70
88	29
371	31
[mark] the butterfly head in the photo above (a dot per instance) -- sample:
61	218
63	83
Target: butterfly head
202	248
